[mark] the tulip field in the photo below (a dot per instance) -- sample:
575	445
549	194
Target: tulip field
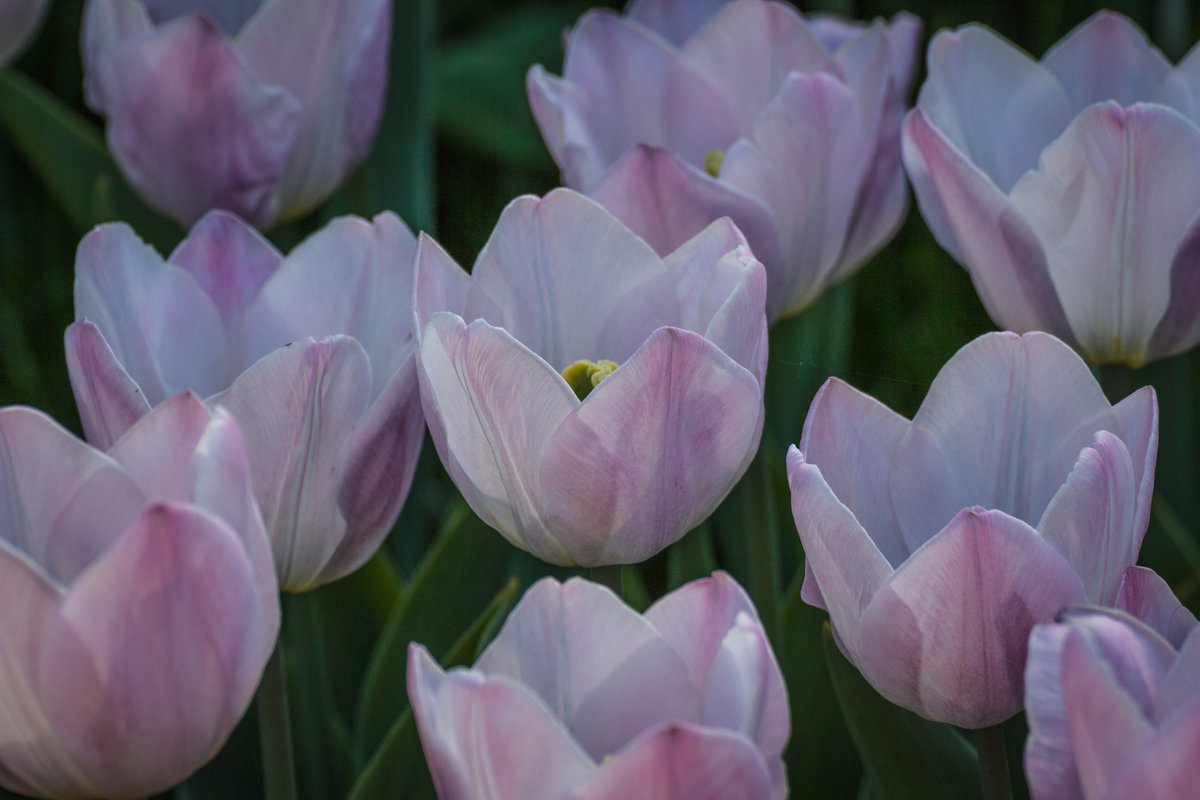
669	400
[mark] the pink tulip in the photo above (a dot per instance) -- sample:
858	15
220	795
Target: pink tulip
592	401
682	112
937	544
140	603
260	107
311	353
19	21
1066	186
579	697
1113	704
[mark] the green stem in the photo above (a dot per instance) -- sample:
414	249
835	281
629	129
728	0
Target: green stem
756	500
610	576
993	763
274	730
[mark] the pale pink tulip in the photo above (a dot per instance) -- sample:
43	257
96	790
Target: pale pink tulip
19	21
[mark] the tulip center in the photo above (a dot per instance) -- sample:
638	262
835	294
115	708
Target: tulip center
713	162
584	375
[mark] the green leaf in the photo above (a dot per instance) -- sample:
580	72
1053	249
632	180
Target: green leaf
68	153
904	755
397	769
457	578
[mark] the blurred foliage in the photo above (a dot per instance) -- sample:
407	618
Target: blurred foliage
457	143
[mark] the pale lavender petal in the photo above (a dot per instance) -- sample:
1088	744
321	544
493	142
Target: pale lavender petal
569	281
19	21
1165	768
296	408
107	23
1180	686
1145	595
973	220
109	401
1110	202
843	567
1136	423
332	58
681	762
488	737
1179	328
439	284
491	404
1107	57
230	15
745	690
674	20
160	324
559	109
1049	750
947	636
158	453
188	144
155	653
651	451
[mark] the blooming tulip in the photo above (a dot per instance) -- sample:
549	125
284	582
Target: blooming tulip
592	401
1066	186
579	697
333	424
19	19
679	113
937	544
140	603
1113	706
260	107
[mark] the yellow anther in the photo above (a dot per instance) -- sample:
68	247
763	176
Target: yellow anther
713	162
583	375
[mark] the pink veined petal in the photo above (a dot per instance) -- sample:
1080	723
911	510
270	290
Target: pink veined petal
159	452
1165	767
489	737
947	636
651	451
187	144
1179	328
570	282
1049	751
109	401
155	653
296	408
439	284
1110	203
332	58
490	404
681	762
1146	596
1179	691
599	667
674	20
1136	423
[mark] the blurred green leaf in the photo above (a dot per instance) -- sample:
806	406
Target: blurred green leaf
905	755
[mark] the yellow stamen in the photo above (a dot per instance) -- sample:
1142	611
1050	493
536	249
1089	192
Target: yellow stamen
713	162
584	375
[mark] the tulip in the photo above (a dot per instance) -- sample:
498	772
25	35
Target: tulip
333	423
579	697
1113	705
937	544
679	113
592	401
19	20
1065	186
140	603
261	108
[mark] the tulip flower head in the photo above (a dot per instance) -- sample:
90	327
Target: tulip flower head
19	20
581	698
592	401
140	602
1066	186
311	353
1113	704
259	107
935	545
678	113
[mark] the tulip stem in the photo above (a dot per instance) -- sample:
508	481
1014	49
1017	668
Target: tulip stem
610	576
274	730
993	763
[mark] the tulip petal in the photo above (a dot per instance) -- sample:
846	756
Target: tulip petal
229	15
843	567
1136	424
1181	684
296	408
19	20
188	144
164	628
439	284
1049	750
491	404
1109	201
602	669
1179	328
973	220
949	632
681	762
1090	520
1146	596
674	20
549	255
109	401
479	732
1165	768
652	451
851	436
332	58
1107	58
